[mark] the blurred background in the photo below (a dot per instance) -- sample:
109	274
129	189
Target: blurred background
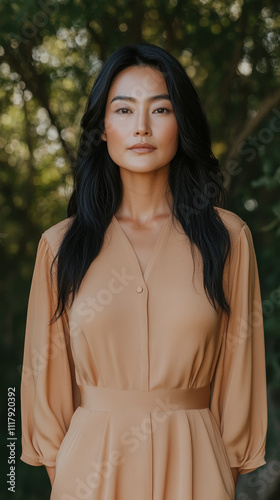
50	54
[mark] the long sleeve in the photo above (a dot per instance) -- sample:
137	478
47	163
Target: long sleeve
48	390
238	388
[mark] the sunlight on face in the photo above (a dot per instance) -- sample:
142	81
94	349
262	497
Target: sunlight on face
139	110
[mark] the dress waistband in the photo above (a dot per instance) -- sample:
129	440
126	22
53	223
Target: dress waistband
107	399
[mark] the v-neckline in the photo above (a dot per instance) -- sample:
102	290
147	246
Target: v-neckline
130	247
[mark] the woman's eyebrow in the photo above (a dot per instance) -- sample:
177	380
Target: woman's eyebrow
132	99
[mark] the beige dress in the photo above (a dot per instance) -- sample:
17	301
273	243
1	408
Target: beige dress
116	393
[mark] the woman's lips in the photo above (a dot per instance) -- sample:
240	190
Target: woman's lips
142	150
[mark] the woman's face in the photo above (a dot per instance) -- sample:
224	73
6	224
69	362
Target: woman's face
139	110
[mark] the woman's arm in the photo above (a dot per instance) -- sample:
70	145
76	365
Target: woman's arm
51	473
46	406
238	388
234	471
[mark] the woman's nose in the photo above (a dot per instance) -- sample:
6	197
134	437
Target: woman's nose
142	124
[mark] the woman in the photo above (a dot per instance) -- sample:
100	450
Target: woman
144	365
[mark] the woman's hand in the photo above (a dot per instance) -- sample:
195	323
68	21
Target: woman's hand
234	471
51	473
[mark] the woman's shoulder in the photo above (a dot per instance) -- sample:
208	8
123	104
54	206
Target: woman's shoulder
55	233
233	222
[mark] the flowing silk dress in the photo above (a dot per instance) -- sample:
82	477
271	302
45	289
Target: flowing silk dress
141	390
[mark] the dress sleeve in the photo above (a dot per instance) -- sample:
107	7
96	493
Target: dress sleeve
49	394
238	388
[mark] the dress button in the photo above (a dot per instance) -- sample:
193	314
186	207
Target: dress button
139	289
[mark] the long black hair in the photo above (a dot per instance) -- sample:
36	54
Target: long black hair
195	180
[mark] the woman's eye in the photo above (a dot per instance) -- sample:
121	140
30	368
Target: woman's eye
162	110
123	111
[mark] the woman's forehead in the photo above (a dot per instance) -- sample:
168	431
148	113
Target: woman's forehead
137	81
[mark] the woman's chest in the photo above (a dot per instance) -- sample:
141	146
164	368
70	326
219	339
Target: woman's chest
142	241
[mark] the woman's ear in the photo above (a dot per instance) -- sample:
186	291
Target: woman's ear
103	136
